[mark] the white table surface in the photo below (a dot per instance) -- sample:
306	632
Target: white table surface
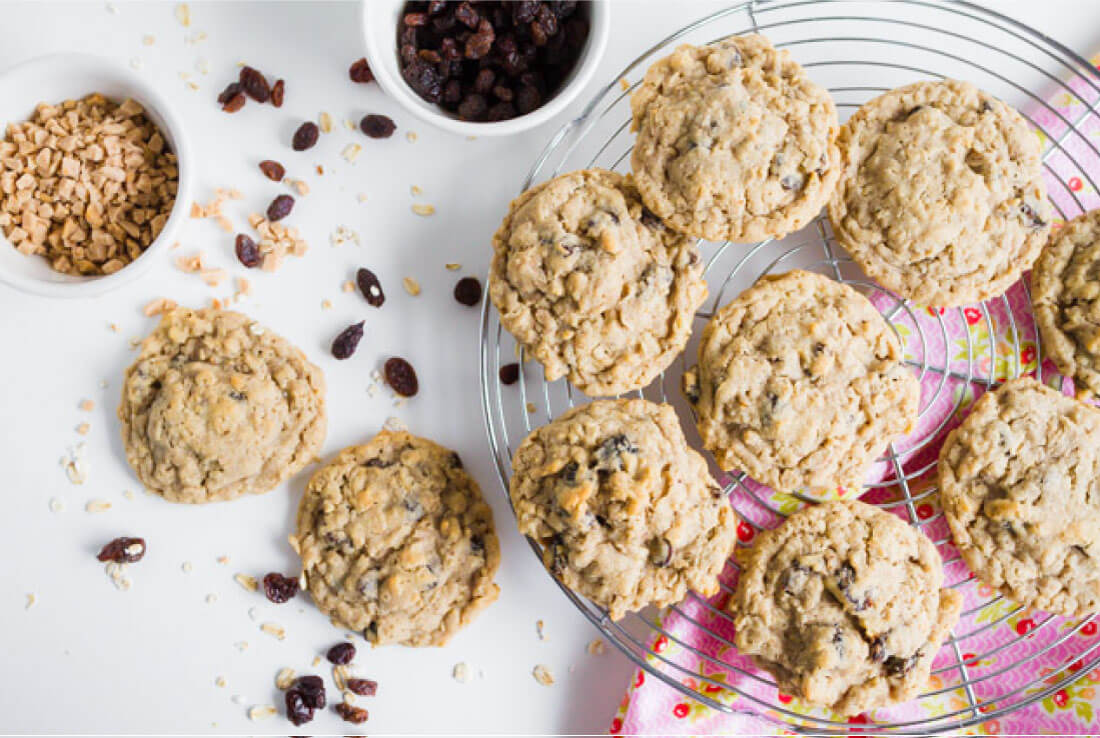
87	658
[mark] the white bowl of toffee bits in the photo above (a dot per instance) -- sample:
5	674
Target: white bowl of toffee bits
484	68
94	175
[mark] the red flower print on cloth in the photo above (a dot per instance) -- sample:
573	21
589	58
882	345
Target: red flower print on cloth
1075	184
973	315
681	710
1061	698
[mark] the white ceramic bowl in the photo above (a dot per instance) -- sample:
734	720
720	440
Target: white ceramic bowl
380	24
61	77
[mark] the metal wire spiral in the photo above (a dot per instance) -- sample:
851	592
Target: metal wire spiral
851	47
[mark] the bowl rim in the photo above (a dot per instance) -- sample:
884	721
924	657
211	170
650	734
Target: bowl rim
396	88
172	127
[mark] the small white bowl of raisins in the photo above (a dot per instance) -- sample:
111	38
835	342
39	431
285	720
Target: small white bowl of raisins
486	68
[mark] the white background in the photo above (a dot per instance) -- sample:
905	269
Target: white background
87	658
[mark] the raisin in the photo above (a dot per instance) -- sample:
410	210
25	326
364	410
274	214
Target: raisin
306	136
568	473
468	291
501	111
416	19
279	588
247	251
527	99
401	376
1036	221
364	687
370	287
424	80
351	713
345	344
273	170
478	45
297	711
523	11
483	82
255	84
280	207
466	15
650	220
896	666
312	689
878	649
360	72
509	373
235	103
123	550
473	108
660	552
377	126
278	93
227	94
341	653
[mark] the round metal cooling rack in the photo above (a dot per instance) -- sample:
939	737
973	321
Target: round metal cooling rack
1000	657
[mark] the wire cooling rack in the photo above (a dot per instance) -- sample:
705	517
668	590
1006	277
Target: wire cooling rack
1000	657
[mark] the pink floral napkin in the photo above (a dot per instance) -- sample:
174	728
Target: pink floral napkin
651	707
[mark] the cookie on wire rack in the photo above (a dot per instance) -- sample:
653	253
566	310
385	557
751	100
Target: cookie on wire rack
1020	485
942	197
734	141
1065	293
800	384
844	605
625	511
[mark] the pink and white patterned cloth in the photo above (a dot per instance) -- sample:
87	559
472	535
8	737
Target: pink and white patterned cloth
651	707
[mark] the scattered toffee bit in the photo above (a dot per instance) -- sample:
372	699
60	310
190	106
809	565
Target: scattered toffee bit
363	687
123	550
341	653
490	61
370	287
351	713
248	253
468	291
312	689
509	373
278	92
297	711
401	376
348	340
255	84
273	170
360	72
377	126
279	208
306	136
279	588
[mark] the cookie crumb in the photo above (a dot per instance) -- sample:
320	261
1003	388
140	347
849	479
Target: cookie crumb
260	712
351	152
56	505
343	235
183	14
543	675
411	136
148	39
97	506
325	121
531	408
415	190
395	424
348	286
316	661
423	209
326	304
453	267
186	567
83	429
159	306
624	84
87	405
220	681
540	629
211	598
462	673
222	559
274	630
411	286
247	581
76	468
32	598
596	647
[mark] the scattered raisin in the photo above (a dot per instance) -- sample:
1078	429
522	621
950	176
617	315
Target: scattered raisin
235	103
401	376
468	291
312	689
364	687
351	713
360	71
273	170
377	126
278	92
341	653
123	550
247	251
370	287
279	588
306	136
255	84
509	373
348	340
280	207
297	711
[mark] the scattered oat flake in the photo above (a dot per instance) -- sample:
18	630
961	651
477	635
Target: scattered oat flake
158	306
351	152
348	286
462	673
453	267
183	14
284	678
325	121
540	628
57	505
148	39
423	209
326	304
247	581
83	429
416	191
211	598
31	600
97	506
543	675
222	559
260	712
113	327
87	405
128	494
343	235
220	681
394	423
274	630
596	647
186	567
411	136
316	661
340	676
411	286
213	277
